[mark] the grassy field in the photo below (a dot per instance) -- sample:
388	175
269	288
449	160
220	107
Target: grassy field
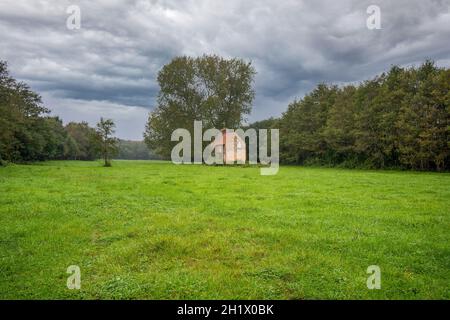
154	230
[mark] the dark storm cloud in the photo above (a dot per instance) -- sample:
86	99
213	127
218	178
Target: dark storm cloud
109	66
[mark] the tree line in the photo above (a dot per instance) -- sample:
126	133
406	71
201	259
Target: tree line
134	150
28	133
399	119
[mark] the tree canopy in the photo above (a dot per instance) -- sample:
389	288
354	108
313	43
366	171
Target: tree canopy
215	90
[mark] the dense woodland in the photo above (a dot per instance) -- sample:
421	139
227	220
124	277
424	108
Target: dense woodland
399	119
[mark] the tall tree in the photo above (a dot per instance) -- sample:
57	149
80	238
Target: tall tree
215	90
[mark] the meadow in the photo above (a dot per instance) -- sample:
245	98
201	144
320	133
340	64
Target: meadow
154	230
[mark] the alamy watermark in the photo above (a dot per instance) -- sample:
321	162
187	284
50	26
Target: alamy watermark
74	280
374	280
374	20
73	21
227	146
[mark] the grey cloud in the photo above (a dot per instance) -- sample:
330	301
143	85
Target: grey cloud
112	62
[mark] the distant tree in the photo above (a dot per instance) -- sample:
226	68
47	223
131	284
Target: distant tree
263	124
107	143
85	139
215	90
71	150
134	150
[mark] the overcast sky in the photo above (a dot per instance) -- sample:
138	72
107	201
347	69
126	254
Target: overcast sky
109	66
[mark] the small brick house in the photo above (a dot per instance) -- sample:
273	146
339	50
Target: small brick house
231	146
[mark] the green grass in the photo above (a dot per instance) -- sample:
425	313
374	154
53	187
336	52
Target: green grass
154	230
